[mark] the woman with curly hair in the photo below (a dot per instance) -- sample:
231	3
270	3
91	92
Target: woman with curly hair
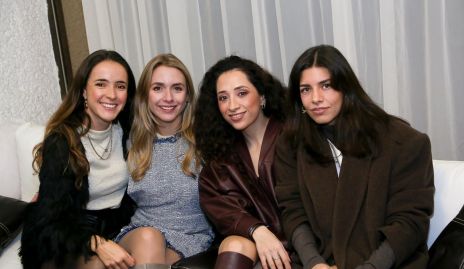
83	173
168	224
355	184
237	120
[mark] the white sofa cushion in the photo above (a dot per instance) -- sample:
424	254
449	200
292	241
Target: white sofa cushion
9	175
449	195
27	136
9	259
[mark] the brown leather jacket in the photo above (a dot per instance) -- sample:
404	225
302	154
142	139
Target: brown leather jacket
235	199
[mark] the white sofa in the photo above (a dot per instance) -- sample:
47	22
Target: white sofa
17	180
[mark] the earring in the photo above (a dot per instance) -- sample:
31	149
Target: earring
85	103
303	110
263	103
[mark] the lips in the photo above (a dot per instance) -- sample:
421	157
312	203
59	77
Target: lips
167	108
319	110
236	116
108	105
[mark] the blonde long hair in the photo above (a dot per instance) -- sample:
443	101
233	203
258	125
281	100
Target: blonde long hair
145	127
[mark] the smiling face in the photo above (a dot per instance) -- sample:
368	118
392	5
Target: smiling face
167	98
238	100
106	93
321	102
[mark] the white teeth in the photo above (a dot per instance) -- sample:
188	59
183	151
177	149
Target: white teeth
236	116
109	105
167	108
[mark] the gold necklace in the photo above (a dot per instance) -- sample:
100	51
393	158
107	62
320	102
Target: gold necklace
107	150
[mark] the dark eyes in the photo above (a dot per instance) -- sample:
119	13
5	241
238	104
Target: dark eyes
178	88
242	93
119	86
324	86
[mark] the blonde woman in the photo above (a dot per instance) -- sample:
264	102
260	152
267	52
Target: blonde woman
168	224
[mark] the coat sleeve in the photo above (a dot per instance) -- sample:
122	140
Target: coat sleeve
287	188
224	203
410	202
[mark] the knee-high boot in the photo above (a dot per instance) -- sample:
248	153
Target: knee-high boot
233	260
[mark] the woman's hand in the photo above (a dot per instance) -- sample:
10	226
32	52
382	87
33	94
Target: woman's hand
111	254
271	252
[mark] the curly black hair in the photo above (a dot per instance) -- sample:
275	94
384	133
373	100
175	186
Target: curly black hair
215	138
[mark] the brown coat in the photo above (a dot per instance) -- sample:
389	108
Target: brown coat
390	197
234	198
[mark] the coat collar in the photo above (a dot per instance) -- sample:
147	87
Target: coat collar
273	129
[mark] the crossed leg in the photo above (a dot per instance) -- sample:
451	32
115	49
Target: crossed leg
147	245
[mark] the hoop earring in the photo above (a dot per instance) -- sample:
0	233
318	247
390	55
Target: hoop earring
303	110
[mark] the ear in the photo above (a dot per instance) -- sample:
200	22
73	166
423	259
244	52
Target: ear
84	94
263	100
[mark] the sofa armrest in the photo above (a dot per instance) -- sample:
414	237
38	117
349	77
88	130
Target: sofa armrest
448	200
11	219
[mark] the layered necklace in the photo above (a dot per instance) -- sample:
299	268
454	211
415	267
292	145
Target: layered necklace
105	151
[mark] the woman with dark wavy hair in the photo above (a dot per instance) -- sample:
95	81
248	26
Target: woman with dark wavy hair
237	120
355	184
81	203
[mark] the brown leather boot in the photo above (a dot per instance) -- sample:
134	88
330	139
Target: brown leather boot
233	260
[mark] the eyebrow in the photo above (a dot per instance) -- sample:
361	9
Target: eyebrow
235	89
105	80
156	83
320	82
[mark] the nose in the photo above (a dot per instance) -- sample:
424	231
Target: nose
111	92
233	104
167	95
317	95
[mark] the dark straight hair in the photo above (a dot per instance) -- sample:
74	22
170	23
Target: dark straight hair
355	131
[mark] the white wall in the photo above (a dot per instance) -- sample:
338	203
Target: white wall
29	85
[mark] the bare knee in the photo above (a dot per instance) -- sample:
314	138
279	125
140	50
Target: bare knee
145	244
240	245
142	237
149	235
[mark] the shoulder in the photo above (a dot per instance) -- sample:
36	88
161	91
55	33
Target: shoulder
403	142
400	132
56	143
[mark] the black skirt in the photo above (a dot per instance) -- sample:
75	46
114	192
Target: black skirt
61	239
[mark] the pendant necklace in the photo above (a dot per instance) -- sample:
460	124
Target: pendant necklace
106	150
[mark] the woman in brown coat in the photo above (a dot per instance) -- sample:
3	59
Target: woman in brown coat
354	183
238	118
